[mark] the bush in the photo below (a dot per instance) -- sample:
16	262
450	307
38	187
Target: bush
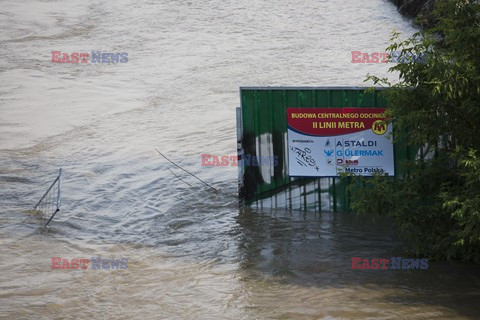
436	105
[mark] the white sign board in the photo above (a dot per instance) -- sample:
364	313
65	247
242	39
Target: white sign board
323	142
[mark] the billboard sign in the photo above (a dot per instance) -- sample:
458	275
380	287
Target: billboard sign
323	142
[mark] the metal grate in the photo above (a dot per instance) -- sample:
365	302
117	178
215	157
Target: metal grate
50	202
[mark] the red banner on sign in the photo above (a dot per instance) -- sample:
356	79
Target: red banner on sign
336	121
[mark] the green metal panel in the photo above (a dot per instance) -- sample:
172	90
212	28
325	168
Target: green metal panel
263	133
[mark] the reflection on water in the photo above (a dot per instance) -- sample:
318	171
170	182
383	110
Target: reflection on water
260	265
300	262
192	253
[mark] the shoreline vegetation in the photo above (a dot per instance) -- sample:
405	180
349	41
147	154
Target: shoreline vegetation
436	106
420	10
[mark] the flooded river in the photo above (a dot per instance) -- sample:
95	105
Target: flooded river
192	253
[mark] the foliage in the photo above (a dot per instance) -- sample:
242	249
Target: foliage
436	107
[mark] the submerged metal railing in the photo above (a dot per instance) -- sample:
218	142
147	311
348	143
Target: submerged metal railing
50	202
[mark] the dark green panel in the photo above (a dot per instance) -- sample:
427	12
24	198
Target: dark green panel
248	114
292	98
367	100
322	98
337	99
381	101
341	195
306	99
352	98
263	111
279	110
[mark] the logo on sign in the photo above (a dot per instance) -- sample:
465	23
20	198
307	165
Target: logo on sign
328	153
379	127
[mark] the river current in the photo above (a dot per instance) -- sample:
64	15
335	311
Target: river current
192	253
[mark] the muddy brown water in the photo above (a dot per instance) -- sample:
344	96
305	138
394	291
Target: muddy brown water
192	254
